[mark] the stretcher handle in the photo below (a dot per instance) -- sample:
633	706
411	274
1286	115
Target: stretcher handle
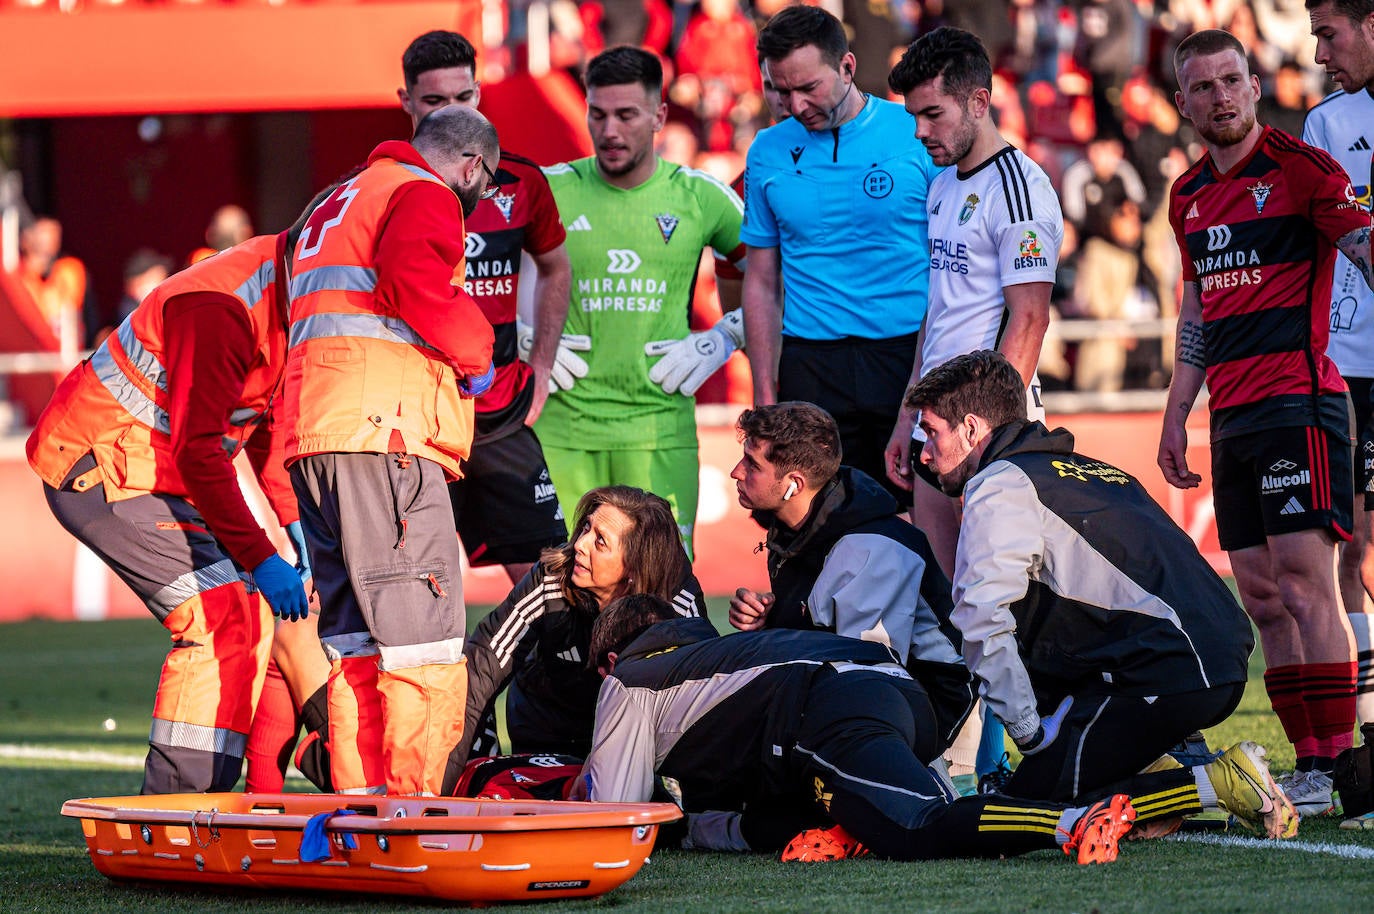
646	814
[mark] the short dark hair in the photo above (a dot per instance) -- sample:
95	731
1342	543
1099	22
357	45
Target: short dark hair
437	50
796	436
947	52
798	26
620	623
655	560
1207	41
981	383
623	65
1354	10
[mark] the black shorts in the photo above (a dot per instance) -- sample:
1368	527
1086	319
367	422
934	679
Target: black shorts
505	505
1361	390
1279	481
861	384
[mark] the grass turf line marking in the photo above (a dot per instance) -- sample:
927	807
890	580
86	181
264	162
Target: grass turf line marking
46	754
1349	851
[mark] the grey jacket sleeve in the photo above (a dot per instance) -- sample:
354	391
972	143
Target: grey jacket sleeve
870	588
620	767
1001	546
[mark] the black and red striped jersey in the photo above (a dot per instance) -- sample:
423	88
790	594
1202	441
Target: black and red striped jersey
521	216
1259	242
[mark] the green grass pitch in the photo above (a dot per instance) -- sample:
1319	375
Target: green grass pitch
61	682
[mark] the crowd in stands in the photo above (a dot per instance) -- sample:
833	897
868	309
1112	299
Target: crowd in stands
1083	86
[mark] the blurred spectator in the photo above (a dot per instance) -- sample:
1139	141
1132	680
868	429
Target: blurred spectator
677	143
717	69
1113	283
229	226
1096	185
875	29
58	283
1262	58
1109	44
990	20
1285	108
143	272
1157	146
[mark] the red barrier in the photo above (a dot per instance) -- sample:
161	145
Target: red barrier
47	575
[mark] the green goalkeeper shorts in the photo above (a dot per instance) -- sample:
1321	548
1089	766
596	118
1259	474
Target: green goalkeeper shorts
669	472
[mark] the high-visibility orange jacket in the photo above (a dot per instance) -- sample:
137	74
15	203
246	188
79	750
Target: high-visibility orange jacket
381	329
119	404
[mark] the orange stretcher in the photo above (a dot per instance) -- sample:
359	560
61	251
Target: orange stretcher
473	850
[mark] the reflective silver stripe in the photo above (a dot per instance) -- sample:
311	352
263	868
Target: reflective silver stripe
193	583
419	172
254	288
333	279
370	326
379	791
352	644
196	736
127	394
143	361
409	656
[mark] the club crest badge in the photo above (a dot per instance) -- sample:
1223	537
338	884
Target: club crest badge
1260	192
667	224
505	203
966	211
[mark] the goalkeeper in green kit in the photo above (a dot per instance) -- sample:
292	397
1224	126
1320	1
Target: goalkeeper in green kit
636	228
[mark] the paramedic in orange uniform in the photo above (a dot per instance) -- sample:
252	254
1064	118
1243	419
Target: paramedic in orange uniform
386	352
135	451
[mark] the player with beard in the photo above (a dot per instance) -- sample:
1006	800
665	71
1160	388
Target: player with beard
1258	221
386	354
1101	636
636	229
995	231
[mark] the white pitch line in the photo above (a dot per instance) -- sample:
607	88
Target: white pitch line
88	756
48	754
1349	851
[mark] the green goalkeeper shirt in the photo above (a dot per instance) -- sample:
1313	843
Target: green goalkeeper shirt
634	260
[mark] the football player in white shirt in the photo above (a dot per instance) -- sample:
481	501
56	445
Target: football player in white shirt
1343	125
995	232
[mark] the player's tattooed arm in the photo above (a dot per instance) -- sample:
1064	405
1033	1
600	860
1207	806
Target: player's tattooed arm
1191	348
1355	246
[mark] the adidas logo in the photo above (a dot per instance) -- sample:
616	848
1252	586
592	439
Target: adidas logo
571	655
1360	145
580	224
936	210
1293	507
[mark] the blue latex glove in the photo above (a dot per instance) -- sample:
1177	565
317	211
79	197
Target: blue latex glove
1049	728
474	385
297	537
280	585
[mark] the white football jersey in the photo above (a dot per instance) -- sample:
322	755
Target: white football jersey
1343	125
996	226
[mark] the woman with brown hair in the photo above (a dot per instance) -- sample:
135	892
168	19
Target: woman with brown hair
625	541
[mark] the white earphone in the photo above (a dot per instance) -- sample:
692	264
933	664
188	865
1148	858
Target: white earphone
791	490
